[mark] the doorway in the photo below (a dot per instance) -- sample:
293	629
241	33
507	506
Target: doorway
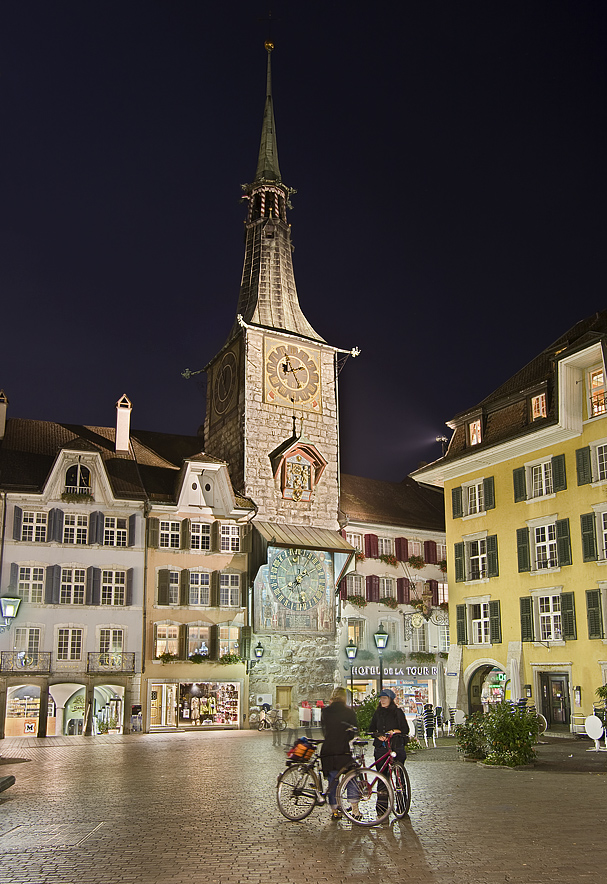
556	706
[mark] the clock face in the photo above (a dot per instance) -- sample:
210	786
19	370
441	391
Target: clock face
292	375
297	579
224	382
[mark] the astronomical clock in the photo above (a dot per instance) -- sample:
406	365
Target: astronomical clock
292	375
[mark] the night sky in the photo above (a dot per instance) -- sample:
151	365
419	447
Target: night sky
450	218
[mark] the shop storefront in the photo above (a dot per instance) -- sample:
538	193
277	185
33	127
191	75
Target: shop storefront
203	704
414	686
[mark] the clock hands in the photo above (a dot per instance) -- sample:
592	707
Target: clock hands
286	366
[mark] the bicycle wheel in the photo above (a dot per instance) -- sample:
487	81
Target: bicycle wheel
402	790
365	796
263	725
296	792
281	724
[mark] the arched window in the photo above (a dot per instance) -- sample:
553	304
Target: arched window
78	480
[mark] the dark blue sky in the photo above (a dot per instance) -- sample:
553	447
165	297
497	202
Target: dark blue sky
449	160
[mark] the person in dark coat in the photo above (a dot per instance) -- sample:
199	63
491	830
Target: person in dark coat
388	719
339	725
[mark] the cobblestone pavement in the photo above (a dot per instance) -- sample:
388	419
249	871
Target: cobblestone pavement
200	807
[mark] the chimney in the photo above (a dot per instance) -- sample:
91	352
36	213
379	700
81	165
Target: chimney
3	410
123	423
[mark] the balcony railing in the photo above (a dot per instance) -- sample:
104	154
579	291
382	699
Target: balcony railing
21	661
598	404
111	662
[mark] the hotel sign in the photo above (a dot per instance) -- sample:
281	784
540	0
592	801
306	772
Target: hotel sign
398	671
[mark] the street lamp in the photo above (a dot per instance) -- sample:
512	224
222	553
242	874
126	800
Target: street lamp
258	651
381	640
8	609
351	652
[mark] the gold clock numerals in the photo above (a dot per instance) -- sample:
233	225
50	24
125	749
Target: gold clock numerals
297	579
293	376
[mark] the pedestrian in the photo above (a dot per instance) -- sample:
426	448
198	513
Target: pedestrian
388	720
276	731
339	725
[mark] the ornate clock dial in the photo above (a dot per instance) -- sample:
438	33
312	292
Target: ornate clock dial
224	382
292	374
297	579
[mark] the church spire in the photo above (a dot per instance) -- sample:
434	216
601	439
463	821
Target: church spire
268	296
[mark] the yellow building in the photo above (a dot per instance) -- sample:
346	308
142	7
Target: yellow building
525	480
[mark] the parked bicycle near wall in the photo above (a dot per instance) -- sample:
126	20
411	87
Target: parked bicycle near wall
271	719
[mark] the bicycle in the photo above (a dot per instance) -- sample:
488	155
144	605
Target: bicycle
399	779
359	788
271	720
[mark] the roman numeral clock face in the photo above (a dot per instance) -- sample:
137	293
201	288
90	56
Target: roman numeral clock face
292	375
297	579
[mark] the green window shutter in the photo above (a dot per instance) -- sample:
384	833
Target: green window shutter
568	616
460	563
583	466
215	589
163	586
457	502
559	474
215	536
495	622
462	625
526	619
492	560
522	548
520	485
489	493
594	611
185	534
153	533
563	542
183	642
184	587
589	548
245	642
214	642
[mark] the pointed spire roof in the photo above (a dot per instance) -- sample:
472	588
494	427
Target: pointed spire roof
267	163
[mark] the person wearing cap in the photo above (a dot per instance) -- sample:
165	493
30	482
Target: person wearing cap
388	720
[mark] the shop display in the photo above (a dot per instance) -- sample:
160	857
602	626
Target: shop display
209	703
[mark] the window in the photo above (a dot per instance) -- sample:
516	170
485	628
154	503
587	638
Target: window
200	535
538	406
443	639
601	462
387	588
69	644
355	540
27	641
385	546
473	498
200	588
230	538
391	627
540	479
596	384
544	544
33	527
355	585
594	611
199	640
356	631
75	528
110	641
115	531
167	640
441	552
170	535
419	638
476	558
548	615
443	593
30	586
229	590
479	622
73	583
594	534
474	432
173	587
113	585
78	480
229	640
415	548
416	590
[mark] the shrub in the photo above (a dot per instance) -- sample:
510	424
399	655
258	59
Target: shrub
198	658
389	602
364	712
471	736
230	658
359	601
506	735
388	559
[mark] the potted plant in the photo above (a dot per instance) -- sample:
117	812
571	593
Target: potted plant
359	556
389	602
226	659
389	560
359	601
416	562
166	657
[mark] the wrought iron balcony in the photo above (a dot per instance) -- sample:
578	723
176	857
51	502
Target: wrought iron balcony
111	662
21	661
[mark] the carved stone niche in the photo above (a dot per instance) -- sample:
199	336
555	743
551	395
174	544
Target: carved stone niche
297	466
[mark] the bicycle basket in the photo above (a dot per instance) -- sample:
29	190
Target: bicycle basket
301	750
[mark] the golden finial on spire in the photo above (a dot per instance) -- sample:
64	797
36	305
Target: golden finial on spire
269	45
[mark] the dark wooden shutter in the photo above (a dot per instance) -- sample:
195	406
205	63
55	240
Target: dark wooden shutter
489	493
434	588
430	552
460	562
52	587
215	589
246	538
492	558
559	475
184	587
522	549
583	465
568	616
371	546
17	522
14	578
462	625
96	526
55	526
372	588
164	576
129	586
216	536
343	588
526	604
214	642
185	534
594	612
495	622
244	648
132	535
457	503
403	590
563	542
401	549
589	548
183	642
153	532
93	586
520	485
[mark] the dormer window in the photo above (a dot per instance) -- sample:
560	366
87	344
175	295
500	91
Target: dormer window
596	383
538	406
474	432
78	480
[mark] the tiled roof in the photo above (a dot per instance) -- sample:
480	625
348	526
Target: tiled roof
405	504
